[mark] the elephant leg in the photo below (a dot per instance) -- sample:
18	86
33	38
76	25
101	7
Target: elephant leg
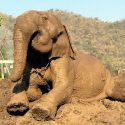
47	105
33	91
63	76
18	103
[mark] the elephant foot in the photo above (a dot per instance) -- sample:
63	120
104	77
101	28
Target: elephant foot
43	111
33	94
18	104
39	113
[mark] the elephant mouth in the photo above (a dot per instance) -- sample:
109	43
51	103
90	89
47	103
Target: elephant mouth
41	42
42	47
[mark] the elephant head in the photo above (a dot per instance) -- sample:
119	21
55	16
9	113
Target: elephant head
44	32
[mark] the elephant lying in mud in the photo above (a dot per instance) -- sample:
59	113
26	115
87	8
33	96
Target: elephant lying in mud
47	69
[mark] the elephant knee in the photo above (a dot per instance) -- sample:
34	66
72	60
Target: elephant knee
33	93
36	79
33	79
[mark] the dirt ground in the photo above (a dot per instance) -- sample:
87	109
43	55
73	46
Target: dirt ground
103	112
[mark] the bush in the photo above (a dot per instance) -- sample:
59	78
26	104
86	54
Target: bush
1	20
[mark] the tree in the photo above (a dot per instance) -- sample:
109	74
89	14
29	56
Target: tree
1	20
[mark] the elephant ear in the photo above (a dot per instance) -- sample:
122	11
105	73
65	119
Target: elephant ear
62	45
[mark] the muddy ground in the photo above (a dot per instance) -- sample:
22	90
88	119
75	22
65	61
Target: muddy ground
104	112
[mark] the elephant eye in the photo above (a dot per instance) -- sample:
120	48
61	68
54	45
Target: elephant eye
44	18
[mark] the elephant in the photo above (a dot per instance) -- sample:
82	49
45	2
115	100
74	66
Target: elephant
48	71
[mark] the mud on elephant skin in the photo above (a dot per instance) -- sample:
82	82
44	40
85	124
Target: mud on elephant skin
50	71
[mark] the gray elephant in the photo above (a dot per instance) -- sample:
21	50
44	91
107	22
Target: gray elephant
47	69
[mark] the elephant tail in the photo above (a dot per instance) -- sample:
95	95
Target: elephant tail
118	90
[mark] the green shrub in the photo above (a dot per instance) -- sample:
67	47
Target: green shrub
1	20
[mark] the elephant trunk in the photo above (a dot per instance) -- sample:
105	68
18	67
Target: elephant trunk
20	54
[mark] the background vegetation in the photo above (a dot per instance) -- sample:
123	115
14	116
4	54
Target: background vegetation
104	40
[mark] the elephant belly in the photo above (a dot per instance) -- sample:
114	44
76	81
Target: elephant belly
90	78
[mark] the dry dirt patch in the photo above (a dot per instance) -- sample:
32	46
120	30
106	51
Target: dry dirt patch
104	112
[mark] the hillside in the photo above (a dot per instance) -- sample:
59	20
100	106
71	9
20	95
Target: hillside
104	40
6	35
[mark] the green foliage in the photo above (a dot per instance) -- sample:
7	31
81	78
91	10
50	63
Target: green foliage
1	20
6	36
3	52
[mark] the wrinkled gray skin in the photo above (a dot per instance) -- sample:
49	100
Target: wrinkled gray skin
43	57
